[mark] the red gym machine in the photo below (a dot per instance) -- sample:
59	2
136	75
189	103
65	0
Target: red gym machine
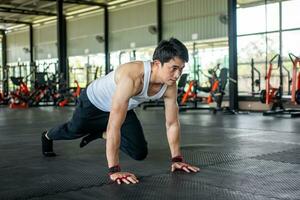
72	96
274	95
295	98
23	97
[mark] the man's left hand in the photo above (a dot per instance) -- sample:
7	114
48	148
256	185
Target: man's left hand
184	167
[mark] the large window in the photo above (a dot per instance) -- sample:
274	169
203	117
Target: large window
291	42
78	70
290	14
256	46
253	19
263	38
203	56
121	57
85	69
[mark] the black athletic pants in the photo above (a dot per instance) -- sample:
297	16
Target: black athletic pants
87	119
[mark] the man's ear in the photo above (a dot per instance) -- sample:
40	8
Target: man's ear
157	62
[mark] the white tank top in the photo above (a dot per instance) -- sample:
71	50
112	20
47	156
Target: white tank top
101	90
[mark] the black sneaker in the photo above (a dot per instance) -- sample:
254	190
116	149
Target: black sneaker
47	146
87	139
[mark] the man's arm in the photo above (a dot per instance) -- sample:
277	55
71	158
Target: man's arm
123	93
116	119
173	131
172	120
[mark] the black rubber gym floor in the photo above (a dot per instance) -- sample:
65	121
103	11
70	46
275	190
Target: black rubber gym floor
240	156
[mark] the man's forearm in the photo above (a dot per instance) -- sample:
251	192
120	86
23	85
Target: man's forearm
112	148
173	134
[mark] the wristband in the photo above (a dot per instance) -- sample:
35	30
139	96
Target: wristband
114	169
177	159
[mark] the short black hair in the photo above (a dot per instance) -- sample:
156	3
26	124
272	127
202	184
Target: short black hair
169	49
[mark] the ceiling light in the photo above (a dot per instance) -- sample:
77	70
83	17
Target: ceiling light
131	2
50	22
36	25
44	19
69	17
83	10
22	28
17	26
111	7
88	13
173	2
116	2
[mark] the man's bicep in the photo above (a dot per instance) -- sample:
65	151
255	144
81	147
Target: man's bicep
123	93
120	101
171	106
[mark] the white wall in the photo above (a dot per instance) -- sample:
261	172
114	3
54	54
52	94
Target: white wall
15	43
45	42
182	18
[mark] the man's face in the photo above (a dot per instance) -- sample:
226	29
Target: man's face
172	70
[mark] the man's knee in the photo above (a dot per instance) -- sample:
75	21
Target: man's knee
140	155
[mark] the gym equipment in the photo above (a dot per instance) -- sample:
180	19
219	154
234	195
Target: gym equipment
3	99
190	95
295	82
274	95
45	89
18	70
189	100
289	79
93	72
181	85
70	95
127	56
23	97
180	92
255	82
153	104
273	91
218	93
214	90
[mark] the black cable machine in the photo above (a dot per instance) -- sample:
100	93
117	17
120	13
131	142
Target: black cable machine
255	82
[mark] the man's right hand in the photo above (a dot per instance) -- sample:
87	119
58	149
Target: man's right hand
124	177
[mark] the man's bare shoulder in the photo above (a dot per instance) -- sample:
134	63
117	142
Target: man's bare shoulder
134	67
133	70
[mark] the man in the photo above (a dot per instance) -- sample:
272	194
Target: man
105	110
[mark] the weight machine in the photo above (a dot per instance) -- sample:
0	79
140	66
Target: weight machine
273	95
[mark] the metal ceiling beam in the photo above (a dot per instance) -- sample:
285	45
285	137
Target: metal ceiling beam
25	11
106	25
85	3
10	21
81	2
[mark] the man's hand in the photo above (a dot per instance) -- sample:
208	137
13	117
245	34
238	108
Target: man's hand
184	167
124	177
